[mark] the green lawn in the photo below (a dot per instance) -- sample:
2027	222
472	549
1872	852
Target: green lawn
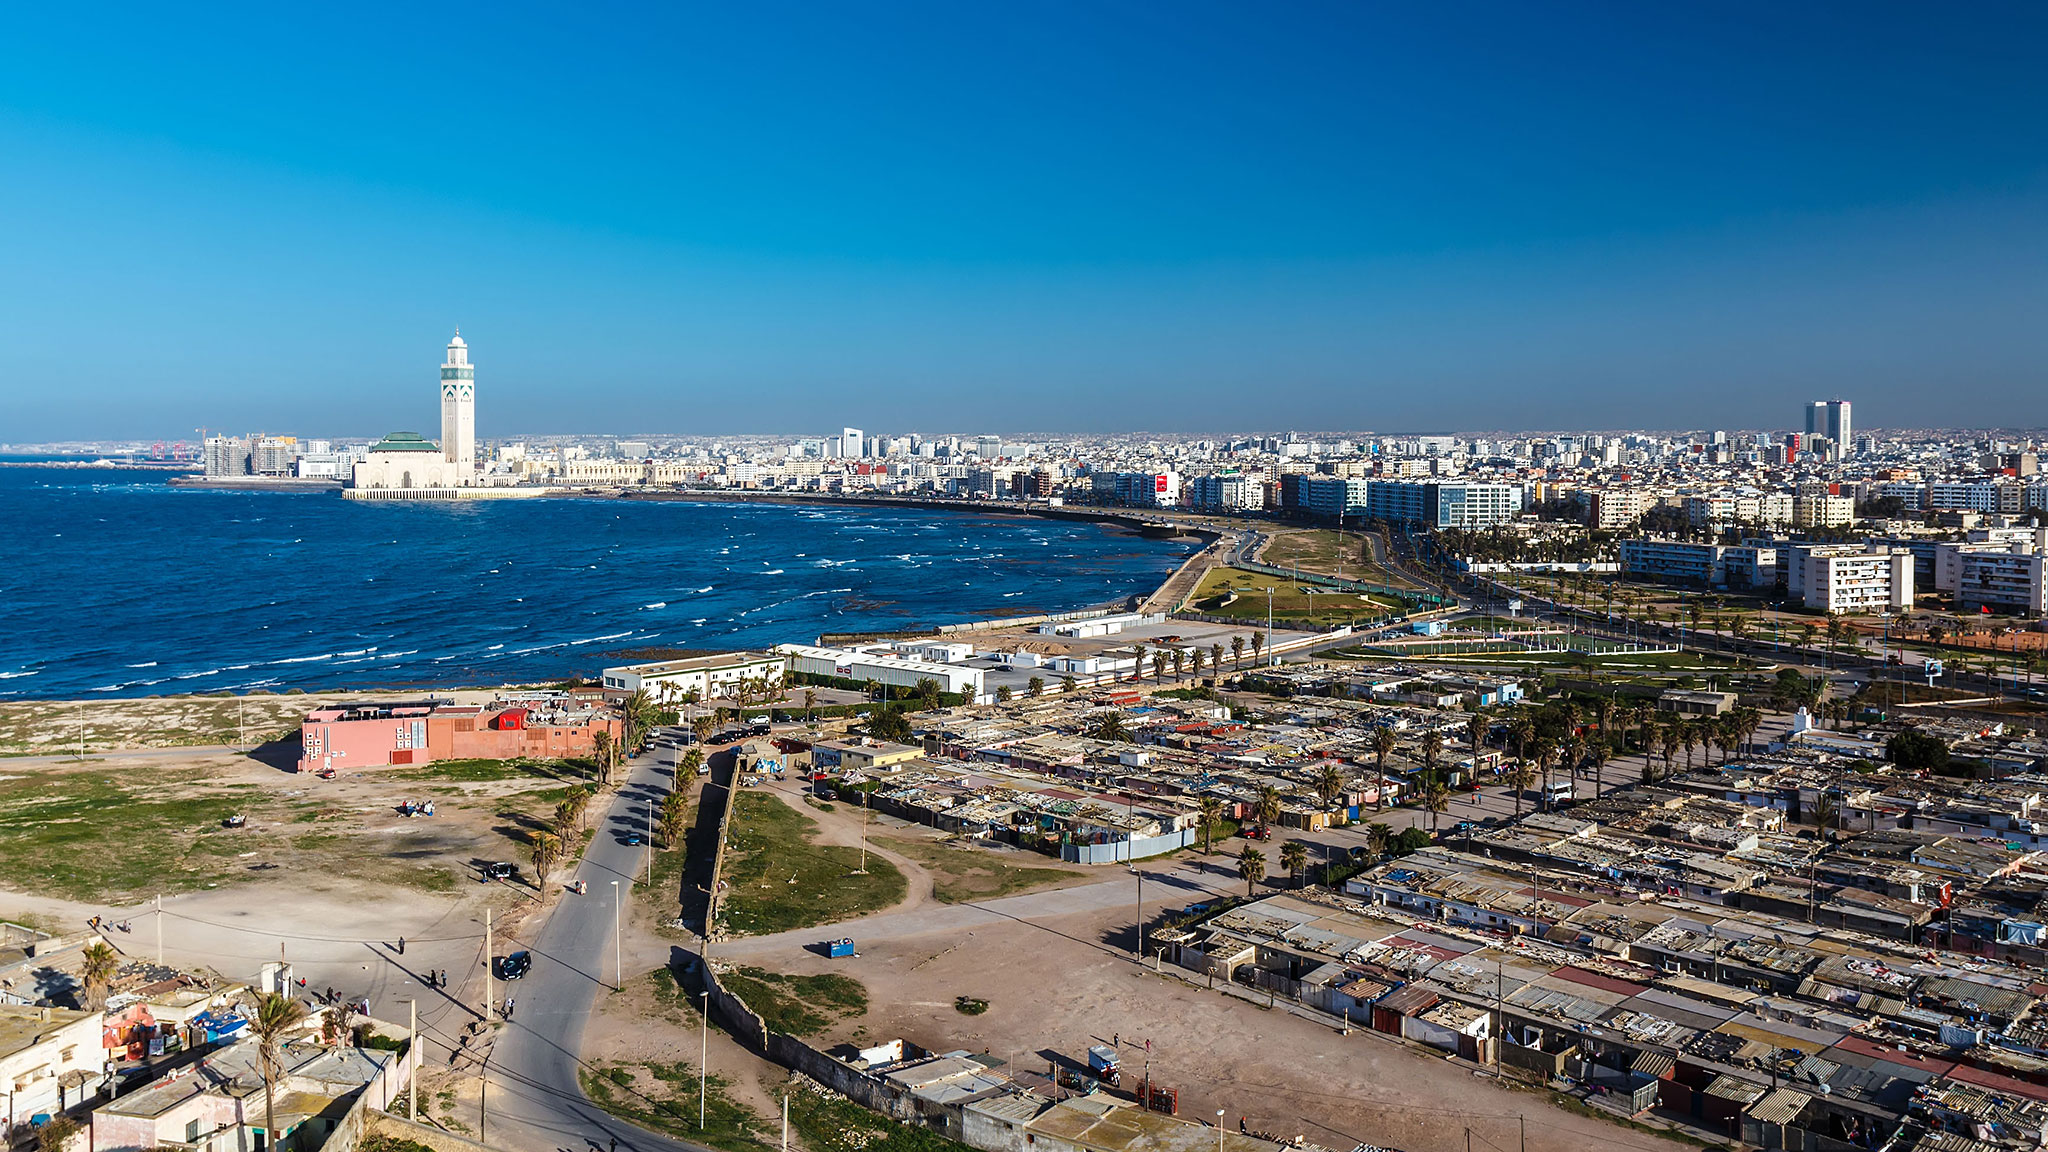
964	875
1293	604
798	1005
1317	550
781	879
492	771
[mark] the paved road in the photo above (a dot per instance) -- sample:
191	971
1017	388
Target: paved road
536	1100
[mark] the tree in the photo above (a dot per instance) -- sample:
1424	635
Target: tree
1003	693
1383	740
100	964
673	811
810	704
1216	658
1211	809
692	760
641	715
1267	807
1827	810
887	723
1329	784
1251	868
1180	662
1432	747
1237	651
1436	799
1601	752
601	748
1035	687
1109	726
1141	650
1258	645
1069	684
1520	777
545	851
57	1134
275	1017
1378	837
1159	662
927	692
1476	729
1915	751
700	728
1196	659
1294	858
1668	741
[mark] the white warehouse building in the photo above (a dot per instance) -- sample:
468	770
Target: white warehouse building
855	664
711	677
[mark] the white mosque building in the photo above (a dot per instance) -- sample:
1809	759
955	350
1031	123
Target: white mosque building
410	461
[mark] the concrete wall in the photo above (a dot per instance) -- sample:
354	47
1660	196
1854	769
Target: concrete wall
1127	849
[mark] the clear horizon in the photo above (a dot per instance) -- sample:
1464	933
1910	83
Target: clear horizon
1085	218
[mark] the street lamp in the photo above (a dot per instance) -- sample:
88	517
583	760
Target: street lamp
703	1048
1270	658
1219	1130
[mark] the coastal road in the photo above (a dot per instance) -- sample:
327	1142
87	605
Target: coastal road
536	1100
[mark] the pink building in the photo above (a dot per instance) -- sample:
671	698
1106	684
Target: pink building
549	726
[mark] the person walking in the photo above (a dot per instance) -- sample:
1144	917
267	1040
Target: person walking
401	945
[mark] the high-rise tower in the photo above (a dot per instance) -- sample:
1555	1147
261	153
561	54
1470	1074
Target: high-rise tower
458	405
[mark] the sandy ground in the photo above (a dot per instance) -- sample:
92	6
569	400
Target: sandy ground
1057	972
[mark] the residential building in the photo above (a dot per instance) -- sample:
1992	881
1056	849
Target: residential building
879	666
47	1058
1854	578
220	1106
542	726
1674	561
1460	504
1330	497
1823	511
2008	578
712	678
1611	508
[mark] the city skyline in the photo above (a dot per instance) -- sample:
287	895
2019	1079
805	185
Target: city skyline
1083	221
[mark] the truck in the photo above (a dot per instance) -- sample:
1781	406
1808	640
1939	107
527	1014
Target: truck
1105	1064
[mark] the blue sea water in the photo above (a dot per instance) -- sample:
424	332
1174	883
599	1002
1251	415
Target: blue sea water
114	583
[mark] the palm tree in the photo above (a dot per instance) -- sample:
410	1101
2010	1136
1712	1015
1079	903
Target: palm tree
1329	784
1267	808
1159	663
1251	868
1237	651
1601	752
1197	658
1520	777
1258	644
1180	663
1211	809
1068	684
1378	838
1521	733
1109	727
1668	742
1545	752
1216	658
810	705
1475	734
1436	799
98	973
1432	747
1827	810
1293	858
275	1017
1035	687
601	747
1142	651
1383	741
545	851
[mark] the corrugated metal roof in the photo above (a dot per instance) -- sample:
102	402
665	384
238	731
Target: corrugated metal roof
1654	1064
1779	1107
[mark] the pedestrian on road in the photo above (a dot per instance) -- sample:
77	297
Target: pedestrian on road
401	945
615	1144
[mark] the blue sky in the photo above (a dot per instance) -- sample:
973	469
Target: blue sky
1032	217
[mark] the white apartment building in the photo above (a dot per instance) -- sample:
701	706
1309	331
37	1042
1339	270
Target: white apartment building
1616	507
1823	511
711	677
1852	578
1675	561
2008	576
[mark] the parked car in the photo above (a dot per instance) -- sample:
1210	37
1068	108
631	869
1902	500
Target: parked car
514	966
500	871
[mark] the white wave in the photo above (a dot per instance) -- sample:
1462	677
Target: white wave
1007	595
396	655
17	675
197	675
706	588
305	659
494	647
609	636
699	621
656	604
144	664
770	572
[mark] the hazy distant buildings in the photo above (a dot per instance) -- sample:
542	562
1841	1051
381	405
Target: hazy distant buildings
1830	419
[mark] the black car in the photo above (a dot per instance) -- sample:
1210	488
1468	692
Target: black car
514	966
500	871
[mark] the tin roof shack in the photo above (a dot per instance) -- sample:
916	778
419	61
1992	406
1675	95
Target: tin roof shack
46	1057
1098	1123
1997	1119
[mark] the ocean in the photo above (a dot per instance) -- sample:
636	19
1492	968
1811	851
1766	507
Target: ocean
116	584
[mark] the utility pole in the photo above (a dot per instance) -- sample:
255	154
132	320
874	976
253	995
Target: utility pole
159	930
490	976
1138	952
704	1054
785	1122
648	843
618	959
483	1098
